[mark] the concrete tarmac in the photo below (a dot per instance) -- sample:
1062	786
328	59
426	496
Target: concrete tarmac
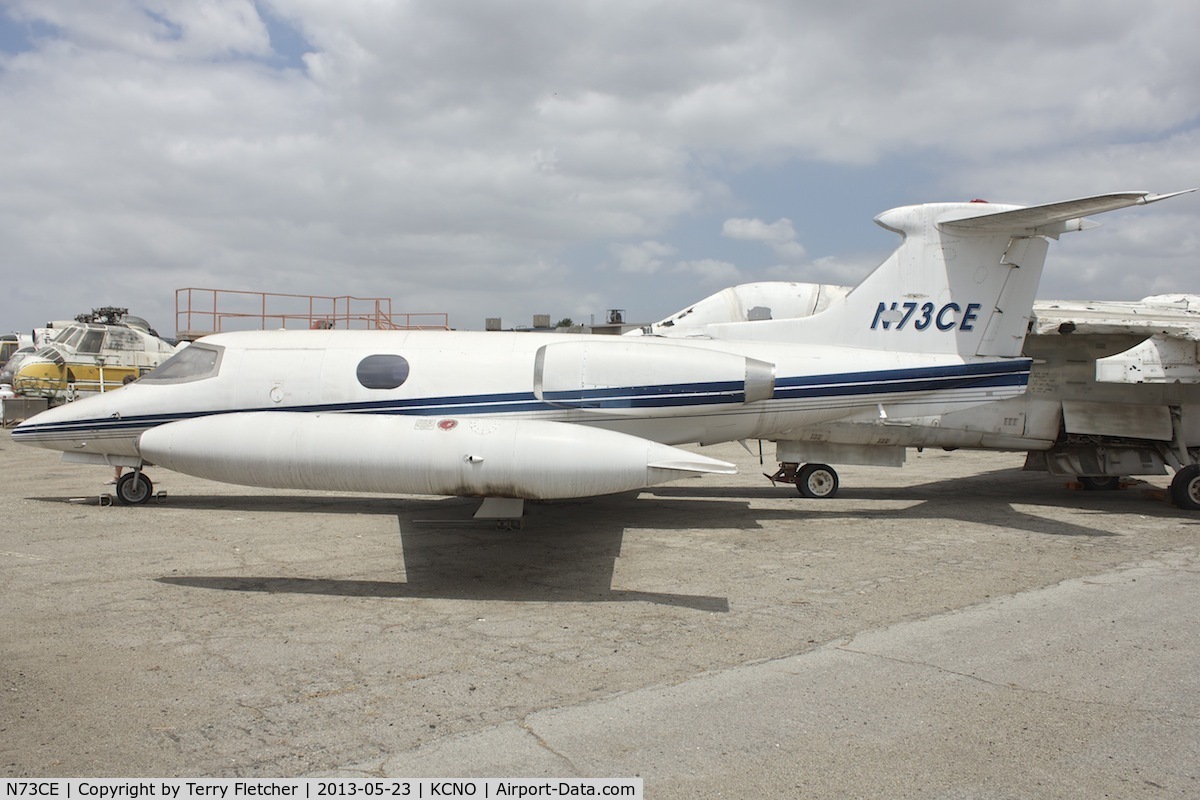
956	628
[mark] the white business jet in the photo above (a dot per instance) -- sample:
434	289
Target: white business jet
938	327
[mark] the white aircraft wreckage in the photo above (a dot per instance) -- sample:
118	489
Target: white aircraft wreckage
936	330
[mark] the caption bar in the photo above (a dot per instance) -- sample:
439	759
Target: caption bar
234	789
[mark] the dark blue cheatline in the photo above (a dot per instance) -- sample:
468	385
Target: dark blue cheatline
850	384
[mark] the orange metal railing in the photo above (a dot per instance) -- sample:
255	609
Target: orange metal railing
199	312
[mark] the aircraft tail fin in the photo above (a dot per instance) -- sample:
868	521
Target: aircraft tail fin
962	281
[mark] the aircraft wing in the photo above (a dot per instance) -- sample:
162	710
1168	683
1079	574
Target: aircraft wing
1169	316
1052	218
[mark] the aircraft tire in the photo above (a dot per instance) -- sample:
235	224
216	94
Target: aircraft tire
1185	488
819	481
133	489
1101	483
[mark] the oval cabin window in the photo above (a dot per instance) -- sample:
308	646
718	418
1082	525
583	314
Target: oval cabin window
382	372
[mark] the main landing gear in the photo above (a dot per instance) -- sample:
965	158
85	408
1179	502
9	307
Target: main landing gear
134	488
819	481
1185	487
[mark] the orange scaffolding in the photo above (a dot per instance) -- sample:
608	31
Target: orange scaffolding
199	312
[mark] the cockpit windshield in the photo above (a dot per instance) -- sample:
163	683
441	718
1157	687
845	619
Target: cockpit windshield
70	336
92	341
84	339
192	363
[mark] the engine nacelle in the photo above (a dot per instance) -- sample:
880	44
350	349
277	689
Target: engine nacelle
634	376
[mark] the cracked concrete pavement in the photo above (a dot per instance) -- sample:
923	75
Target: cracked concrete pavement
956	628
1035	695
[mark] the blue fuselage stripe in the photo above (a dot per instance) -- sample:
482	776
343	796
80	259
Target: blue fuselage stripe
851	384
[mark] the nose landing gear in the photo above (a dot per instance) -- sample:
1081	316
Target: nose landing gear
134	488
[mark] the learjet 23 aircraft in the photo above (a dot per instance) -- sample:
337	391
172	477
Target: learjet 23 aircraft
937	328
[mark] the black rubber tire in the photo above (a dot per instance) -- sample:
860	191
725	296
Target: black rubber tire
1100	483
819	481
1185	487
133	489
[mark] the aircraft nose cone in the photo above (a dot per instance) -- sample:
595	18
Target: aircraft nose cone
54	428
25	432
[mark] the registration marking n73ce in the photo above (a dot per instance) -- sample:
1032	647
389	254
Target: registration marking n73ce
924	315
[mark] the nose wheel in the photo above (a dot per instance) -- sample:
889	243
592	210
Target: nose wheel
134	488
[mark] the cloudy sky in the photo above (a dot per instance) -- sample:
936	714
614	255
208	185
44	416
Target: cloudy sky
566	157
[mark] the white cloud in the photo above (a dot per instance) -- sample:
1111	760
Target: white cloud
645	258
710	272
448	152
780	236
830	269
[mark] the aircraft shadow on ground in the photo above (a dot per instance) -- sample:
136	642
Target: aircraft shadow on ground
567	550
986	498
565	553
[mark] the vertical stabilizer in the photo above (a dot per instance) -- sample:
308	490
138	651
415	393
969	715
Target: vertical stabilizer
962	281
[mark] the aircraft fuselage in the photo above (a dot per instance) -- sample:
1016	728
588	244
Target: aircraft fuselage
632	386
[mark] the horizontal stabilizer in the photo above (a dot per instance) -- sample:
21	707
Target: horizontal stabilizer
1034	218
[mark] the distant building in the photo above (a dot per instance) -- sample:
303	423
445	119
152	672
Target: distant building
614	326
